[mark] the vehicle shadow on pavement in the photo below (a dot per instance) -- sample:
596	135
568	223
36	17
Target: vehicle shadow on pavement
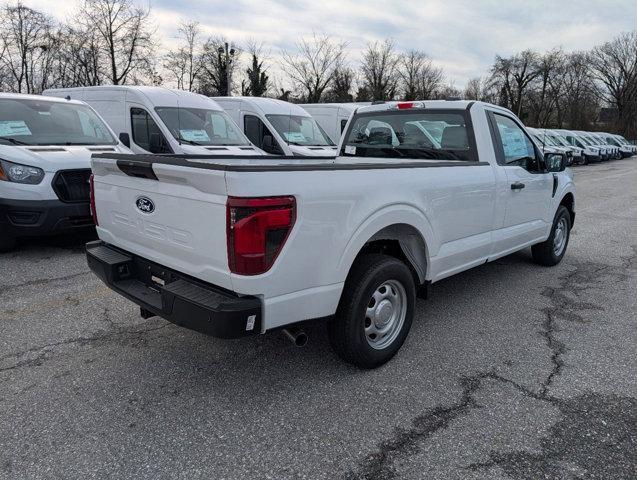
72	242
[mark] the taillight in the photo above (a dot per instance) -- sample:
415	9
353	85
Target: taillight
257	229
92	199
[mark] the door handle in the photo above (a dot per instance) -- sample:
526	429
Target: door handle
517	186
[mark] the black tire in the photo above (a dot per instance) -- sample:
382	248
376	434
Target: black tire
544	253
585	160
6	244
346	330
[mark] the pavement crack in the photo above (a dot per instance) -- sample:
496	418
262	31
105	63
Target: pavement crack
566	304
378	465
40	282
36	356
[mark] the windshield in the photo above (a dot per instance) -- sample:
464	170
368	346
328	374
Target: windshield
42	122
418	134
585	140
593	140
559	140
298	130
573	140
545	139
200	126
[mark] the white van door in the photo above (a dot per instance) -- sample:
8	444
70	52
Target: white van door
146	134
257	131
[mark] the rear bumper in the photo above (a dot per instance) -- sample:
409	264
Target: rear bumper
24	218
176	297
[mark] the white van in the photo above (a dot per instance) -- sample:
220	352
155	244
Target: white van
164	121
278	127
332	117
45	165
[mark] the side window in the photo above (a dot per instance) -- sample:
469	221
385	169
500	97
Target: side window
259	135
146	133
343	125
516	147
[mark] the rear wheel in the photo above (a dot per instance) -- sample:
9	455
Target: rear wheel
7	243
375	312
551	251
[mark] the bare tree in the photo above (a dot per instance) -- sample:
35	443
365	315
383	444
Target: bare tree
125	37
379	70
474	89
614	67
342	85
313	65
544	96
79	58
25	41
512	77
218	67
447	91
578	105
184	64
420	78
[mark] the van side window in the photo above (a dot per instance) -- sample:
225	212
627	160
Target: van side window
517	149
146	133
343	125
259	135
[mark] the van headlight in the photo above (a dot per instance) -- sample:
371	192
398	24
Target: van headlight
14	172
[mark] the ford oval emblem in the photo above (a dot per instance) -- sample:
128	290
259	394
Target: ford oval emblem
145	205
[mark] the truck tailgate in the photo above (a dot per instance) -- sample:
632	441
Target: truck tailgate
170	214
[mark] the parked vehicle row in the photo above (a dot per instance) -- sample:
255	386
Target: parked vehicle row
46	142
585	147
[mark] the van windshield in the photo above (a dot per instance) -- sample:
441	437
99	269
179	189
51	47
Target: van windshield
299	130
546	139
417	134
42	122
200	126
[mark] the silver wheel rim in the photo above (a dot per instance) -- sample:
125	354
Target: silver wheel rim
385	314
560	236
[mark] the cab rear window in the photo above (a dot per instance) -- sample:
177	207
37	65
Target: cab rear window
419	134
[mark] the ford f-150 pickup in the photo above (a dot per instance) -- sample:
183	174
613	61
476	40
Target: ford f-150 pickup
239	246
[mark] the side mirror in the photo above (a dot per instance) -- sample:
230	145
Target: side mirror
125	139
555	162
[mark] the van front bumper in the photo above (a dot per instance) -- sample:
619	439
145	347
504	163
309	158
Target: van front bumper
178	298
25	218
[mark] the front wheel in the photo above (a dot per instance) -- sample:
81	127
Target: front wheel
551	251
375	312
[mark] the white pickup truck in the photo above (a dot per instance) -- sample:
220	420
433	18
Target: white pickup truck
246	245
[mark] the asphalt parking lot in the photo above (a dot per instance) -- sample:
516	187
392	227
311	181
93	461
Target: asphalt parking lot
511	370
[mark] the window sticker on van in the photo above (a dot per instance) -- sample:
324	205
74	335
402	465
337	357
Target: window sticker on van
13	128
295	137
194	135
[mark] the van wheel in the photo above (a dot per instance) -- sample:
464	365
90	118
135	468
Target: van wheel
551	251
7	243
375	312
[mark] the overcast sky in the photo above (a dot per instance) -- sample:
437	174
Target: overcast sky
462	36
